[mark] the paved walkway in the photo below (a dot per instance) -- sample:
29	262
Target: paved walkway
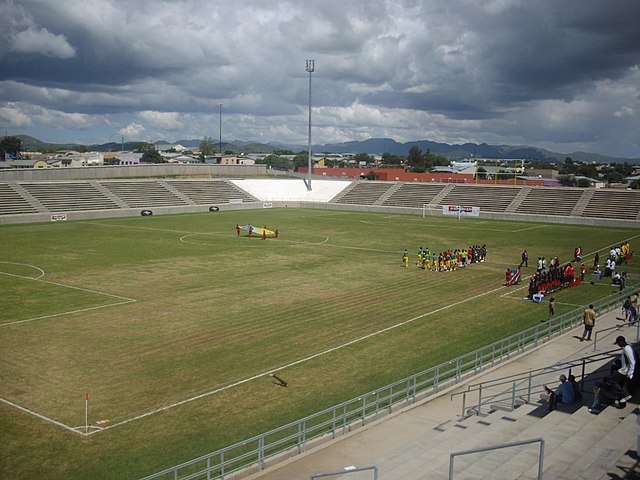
366	446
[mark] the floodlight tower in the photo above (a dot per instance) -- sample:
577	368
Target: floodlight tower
310	65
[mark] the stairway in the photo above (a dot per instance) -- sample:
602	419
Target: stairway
578	445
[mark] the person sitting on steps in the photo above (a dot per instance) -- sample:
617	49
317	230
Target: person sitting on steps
564	393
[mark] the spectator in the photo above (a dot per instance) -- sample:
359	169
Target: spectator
564	393
616	279
633	308
610	391
589	320
628	362
626	308
576	388
623	281
633	314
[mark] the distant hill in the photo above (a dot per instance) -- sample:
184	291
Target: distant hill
378	146
372	146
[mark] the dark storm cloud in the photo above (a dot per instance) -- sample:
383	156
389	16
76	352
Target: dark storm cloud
498	71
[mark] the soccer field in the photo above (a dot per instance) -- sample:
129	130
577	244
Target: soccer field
172	324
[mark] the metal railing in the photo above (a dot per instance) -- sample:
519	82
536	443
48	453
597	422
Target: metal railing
497	447
635	322
348	470
295	437
522	387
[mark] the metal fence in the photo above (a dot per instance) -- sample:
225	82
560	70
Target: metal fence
295	438
347	471
453	455
519	388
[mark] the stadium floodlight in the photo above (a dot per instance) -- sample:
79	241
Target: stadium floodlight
310	66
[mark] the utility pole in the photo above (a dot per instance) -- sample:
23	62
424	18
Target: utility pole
310	66
220	130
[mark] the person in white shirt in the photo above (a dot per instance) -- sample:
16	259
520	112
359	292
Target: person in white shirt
628	359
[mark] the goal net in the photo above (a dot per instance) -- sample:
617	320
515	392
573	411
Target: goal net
429	210
452	210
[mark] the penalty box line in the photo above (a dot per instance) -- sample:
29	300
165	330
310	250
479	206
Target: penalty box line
125	300
296	362
38	415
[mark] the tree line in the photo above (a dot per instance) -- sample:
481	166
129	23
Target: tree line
570	172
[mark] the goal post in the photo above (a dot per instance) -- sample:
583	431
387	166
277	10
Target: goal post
429	210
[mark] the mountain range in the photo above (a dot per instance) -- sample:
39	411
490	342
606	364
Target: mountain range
372	146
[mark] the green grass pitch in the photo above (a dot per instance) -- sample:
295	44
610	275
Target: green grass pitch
173	323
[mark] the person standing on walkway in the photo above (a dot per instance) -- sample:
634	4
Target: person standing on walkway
589	320
628	359
626	308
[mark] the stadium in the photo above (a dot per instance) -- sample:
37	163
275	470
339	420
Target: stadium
148	332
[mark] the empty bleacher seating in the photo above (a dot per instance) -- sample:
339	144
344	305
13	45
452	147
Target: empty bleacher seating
414	195
550	201
136	194
69	196
364	193
487	197
11	202
203	192
608	203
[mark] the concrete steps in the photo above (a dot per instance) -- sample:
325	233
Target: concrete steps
421	458
577	445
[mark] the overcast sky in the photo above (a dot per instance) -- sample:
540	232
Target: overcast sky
557	74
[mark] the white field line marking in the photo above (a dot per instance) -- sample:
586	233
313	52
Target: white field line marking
469	227
530	228
70	312
570	304
125	300
617	244
24	265
513	298
187	234
135	227
297	362
35	414
184	237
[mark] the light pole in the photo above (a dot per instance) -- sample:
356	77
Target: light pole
310	65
